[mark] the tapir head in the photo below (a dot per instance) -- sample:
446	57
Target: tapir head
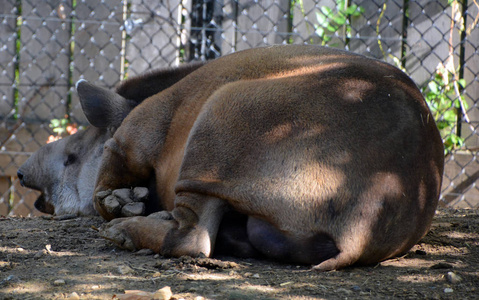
65	171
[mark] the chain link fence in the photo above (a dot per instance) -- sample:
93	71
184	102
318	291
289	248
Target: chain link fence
46	46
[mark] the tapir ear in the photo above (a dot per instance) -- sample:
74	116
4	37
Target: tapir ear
103	108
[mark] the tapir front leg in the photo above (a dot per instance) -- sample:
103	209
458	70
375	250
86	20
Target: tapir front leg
190	229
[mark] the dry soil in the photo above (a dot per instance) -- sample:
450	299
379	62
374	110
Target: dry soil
42	258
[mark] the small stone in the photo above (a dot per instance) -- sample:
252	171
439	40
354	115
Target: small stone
123	196
421	252
255	275
453	277
95	287
133	209
163	294
247	274
8	280
59	282
343	291
125	270
140	194
40	254
112	205
364	293
74	296
356	288
441	266
448	290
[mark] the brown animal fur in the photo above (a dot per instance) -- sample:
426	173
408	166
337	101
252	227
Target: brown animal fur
334	157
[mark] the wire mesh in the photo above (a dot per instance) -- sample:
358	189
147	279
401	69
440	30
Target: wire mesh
45	47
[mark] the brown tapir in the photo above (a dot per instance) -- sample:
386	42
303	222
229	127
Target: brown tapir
65	171
324	157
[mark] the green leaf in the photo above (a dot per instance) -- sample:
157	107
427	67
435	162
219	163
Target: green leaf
332	28
352	9
322	20
442	125
462	82
320	31
54	123
58	130
339	19
341	3
326	11
457	103
450	116
433	87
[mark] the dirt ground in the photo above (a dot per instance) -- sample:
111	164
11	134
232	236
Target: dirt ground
53	259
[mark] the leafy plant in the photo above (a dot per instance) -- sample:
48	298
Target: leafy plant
446	105
330	21
61	127
443	92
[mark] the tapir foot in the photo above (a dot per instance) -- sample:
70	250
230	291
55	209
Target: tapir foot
123	202
139	232
190	229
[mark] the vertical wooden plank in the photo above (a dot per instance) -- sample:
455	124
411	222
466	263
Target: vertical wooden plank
97	46
155	35
24	200
471	76
305	21
43	65
26	139
261	23
458	186
201	23
228	25
7	54
5	184
8	36
216	23
427	38
364	37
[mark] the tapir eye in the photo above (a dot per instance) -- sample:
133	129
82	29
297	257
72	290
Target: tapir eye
71	158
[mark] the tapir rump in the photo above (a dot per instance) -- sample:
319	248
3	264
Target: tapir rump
302	154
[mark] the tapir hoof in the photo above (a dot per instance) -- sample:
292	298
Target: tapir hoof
115	232
123	202
139	232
